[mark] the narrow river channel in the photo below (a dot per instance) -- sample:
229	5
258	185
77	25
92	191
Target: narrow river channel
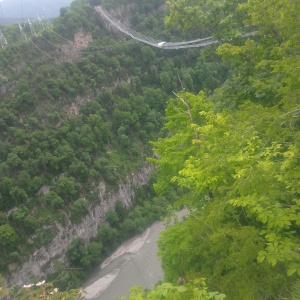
133	263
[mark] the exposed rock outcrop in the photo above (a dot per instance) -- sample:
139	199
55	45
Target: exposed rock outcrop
121	13
70	50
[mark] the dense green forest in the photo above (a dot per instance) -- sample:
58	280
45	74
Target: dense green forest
226	144
73	116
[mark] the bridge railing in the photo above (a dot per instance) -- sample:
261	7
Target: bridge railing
153	42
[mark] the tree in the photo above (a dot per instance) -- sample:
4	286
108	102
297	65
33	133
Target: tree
165	80
18	195
107	236
3	218
191	290
54	200
120	210
13	160
148	54
77	253
129	227
79	170
217	165
8	237
94	253
65	156
66	186
218	18
6	186
236	154
25	101
112	218
78	209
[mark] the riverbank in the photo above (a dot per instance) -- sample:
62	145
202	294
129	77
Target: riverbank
134	263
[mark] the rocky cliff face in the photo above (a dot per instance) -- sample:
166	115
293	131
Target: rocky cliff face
41	262
121	15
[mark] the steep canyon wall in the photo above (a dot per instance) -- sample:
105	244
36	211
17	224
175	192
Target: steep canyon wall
42	261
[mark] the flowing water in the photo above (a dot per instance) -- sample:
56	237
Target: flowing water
133	263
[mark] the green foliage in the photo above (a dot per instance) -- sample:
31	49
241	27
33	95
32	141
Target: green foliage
294	293
218	18
108	236
94	253
19	214
120	210
77	254
30	224
8	237
243	174
237	154
78	209
66	186
54	200
192	290
3	218
84	257
112	218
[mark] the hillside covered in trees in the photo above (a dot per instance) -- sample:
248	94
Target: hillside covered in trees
78	108
227	145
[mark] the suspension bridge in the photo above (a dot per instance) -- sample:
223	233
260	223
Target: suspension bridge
104	14
198	43
116	24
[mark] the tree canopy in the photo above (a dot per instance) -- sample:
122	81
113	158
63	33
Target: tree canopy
237	153
73	118
230	142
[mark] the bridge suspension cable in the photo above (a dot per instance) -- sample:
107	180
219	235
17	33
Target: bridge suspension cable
3	41
151	41
198	43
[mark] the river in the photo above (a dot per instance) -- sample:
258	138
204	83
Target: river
134	263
